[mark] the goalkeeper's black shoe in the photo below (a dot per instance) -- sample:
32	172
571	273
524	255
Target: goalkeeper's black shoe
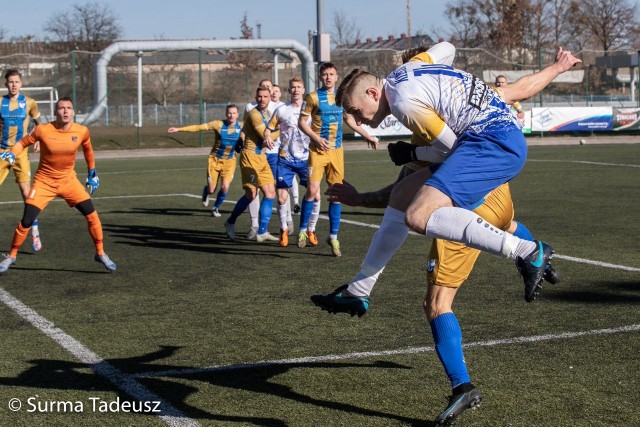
458	403
402	152
532	269
337	302
551	275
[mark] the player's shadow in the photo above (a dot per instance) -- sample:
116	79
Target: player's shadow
145	236
613	292
54	374
164	211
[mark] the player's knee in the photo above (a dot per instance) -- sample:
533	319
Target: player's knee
415	219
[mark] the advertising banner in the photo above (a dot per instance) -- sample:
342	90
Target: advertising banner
390	126
563	119
626	118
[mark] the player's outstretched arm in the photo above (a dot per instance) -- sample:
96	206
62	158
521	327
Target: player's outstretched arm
372	141
528	86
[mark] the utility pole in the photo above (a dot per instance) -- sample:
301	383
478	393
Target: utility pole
409	24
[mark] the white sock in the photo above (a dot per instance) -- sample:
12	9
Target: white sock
294	191
315	213
254	211
386	242
288	208
461	225
282	214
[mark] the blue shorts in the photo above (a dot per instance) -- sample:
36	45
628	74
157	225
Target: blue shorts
272	159
481	163
287	170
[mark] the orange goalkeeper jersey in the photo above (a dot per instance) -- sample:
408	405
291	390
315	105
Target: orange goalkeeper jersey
58	149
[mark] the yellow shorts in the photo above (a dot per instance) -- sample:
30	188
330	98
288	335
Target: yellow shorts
450	263
44	191
330	162
255	170
21	168
220	168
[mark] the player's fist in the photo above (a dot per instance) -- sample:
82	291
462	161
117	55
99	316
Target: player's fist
402	152
92	182
8	157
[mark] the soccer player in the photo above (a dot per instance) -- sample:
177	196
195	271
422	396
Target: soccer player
294	152
256	173
59	143
326	155
15	112
501	81
222	161
496	208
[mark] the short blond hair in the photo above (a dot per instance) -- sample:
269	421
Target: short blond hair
355	81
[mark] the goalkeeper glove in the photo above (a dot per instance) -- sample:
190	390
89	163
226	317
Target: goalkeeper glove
402	152
92	182
8	157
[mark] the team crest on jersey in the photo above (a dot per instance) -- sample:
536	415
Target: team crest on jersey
74	138
431	265
22	104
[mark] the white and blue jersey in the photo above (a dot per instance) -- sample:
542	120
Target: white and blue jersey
294	148
489	149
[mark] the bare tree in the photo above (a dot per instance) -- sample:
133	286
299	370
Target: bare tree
3	33
612	22
345	29
85	27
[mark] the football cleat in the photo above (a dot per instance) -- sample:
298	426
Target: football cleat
551	275
284	238
335	247
37	243
313	238
532	269
296	209
230	230
458	404
338	302
251	235
215	213
302	239
266	237
104	260
6	263
205	196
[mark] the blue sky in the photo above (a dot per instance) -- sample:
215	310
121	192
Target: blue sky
220	19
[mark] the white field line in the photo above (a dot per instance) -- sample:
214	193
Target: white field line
585	163
124	382
406	351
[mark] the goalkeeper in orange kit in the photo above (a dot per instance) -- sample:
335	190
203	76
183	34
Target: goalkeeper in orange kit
59	143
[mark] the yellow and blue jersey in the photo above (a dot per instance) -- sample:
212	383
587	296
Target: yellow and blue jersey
326	116
14	118
255	123
226	135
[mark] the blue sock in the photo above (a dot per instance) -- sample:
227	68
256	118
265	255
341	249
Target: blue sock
266	207
241	206
220	199
305	213
335	211
448	338
523	232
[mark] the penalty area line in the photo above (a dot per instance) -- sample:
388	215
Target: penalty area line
406	351
124	382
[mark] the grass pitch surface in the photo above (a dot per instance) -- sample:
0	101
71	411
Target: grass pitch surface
223	333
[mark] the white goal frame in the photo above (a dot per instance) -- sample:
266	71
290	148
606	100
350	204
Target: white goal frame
49	98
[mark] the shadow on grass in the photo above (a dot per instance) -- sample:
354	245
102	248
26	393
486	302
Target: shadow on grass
196	241
605	293
164	211
64	375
